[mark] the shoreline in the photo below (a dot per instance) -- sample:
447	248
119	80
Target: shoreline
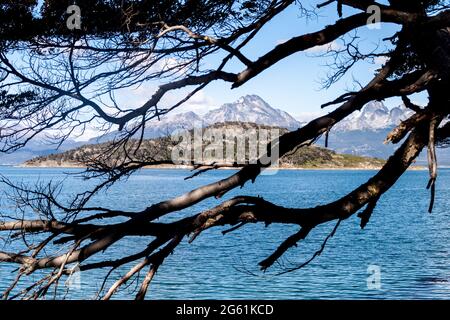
186	167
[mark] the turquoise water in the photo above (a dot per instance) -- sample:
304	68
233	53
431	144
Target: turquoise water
410	246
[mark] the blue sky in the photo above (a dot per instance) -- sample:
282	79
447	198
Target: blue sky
294	84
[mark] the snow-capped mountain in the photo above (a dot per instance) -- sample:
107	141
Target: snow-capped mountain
249	108
362	133
374	116
155	128
167	125
252	108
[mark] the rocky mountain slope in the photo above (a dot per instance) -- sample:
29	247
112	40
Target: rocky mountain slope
160	150
374	116
361	134
34	148
254	109
249	108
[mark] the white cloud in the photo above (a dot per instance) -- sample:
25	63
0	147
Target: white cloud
308	116
200	103
380	60
155	64
131	98
325	48
140	95
87	134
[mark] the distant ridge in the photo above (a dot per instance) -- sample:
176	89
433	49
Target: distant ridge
374	116
312	157
362	133
252	108
249	108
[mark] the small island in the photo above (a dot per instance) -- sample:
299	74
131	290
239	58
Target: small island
157	152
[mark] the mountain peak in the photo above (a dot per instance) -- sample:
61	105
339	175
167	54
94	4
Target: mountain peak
251	108
374	116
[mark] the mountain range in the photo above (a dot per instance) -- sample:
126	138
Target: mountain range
374	116
250	108
34	148
362	133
